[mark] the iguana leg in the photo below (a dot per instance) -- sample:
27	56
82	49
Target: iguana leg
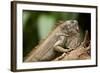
78	53
60	57
61	49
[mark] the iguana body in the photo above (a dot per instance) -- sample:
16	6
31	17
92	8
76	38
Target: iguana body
79	53
62	37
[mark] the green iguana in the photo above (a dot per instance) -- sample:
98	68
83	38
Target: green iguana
64	38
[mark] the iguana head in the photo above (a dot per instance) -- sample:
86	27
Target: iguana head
70	27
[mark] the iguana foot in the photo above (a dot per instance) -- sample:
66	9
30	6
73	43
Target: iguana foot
60	57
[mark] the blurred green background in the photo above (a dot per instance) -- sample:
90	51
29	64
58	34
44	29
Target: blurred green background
37	24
